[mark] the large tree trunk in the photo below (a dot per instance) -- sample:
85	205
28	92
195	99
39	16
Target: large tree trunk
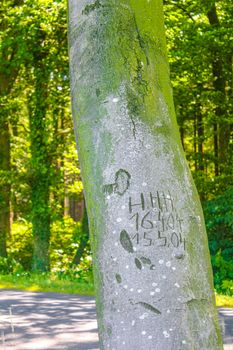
151	260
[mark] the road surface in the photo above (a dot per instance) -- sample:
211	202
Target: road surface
49	321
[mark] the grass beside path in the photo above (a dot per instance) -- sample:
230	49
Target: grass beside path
224	300
50	283
47	283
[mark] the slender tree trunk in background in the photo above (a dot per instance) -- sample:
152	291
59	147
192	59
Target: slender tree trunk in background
221	126
200	138
84	239
199	133
216	162
195	142
40	168
151	260
4	182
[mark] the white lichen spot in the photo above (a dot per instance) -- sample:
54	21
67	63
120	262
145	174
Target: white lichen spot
183	341
134	249
119	219
123	207
108	197
114	232
164	277
116	244
143	316
115	99
170	329
125	286
166	334
150	337
127	266
131	289
148	146
168	263
139	290
122	322
118	310
116	293
143	332
114	259
179	299
152	293
123	342
154	284
144	184
157	290
161	262
133	323
177	285
173	268
168	311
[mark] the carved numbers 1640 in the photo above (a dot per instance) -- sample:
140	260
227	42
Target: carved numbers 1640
155	221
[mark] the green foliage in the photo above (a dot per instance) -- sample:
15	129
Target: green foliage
9	266
45	282
219	223
223	274
20	244
65	240
66	237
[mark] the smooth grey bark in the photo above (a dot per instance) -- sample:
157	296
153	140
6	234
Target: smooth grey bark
152	268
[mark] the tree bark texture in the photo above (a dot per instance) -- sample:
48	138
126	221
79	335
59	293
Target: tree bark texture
151	260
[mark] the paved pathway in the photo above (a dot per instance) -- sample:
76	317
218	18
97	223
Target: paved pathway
48	321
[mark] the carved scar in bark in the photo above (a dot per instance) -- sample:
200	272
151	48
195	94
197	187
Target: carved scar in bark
121	185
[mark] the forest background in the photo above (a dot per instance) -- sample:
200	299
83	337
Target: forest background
43	223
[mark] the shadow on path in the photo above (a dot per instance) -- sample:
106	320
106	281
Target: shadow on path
49	321
41	321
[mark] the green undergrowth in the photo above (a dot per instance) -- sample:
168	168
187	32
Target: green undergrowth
47	283
57	284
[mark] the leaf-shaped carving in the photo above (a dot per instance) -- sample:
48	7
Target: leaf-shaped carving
149	307
118	278
138	263
145	260
126	241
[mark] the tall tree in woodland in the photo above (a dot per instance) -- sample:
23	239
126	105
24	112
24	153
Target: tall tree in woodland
42	31
9	66
201	72
222	128
151	259
40	162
